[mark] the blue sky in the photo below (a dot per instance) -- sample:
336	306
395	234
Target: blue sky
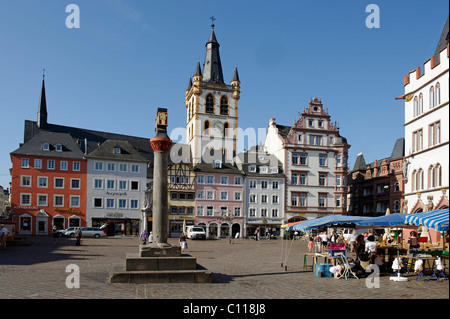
131	56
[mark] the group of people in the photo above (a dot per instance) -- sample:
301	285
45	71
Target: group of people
322	240
144	237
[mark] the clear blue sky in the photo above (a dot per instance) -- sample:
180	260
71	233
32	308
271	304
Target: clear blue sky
131	56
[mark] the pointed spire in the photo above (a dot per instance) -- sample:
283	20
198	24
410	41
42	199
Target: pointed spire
42	109
212	68
198	70
235	75
189	84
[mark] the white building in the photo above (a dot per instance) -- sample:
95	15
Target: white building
427	132
314	158
116	186
264	188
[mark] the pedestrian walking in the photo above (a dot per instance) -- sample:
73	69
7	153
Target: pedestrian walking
310	243
182	242
55	234
144	237
150	238
78	235
3	234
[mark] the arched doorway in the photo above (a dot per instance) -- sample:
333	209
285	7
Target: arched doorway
224	230
236	229
212	230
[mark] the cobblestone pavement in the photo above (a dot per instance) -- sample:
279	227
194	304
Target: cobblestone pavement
246	269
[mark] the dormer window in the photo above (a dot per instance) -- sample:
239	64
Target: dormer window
263	169
58	147
117	150
253	169
274	170
217	164
46	147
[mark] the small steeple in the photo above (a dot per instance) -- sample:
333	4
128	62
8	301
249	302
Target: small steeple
42	110
212	68
189	84
235	75
198	70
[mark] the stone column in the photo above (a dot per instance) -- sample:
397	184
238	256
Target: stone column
161	144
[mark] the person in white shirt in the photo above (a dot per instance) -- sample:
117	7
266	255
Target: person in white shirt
371	247
352	241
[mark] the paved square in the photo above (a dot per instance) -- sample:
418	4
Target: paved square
246	269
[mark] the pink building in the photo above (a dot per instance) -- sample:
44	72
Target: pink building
219	199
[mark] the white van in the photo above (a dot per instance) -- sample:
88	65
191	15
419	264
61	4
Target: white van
195	232
347	232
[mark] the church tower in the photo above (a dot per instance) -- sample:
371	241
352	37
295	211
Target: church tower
212	109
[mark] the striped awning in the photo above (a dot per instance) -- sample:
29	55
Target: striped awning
436	219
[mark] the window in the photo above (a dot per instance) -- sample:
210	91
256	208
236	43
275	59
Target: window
38	163
217	164
134	185
123	185
237	196
432	97
315	140
237	181
75	183
45	147
264	199
209	107
322	200
42	199
252	198
224	180
98	202
252	183
438	93
76	166
294	200
224	106
274	199
209	211
311	123
210	180
50	164
320	123
294	179
237	211
417	139
322	160
64	165
252	212
294	158
263	184
200	179
110	203
25	181
123	167
338	160
25	199
133	203
42	181
111	167
274	184
210	195
117	150
224	195
122	203
434	133
58	200
200	194
302	200
59	148
275	213
74	201
58	182
263	212
302	178
303	158
98	166
200	210
323	179
338	201
134	168
253	169
263	169
98	183
110	184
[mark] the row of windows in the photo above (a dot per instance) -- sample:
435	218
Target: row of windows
263	212
264	199
176	210
301	200
112	184
50	164
43	200
302	179
434	178
113	167
434	136
210	195
302	159
121	203
224	211
264	184
43	182
223	180
434	100
311	139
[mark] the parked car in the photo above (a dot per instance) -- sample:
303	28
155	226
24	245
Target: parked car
95	232
62	232
195	232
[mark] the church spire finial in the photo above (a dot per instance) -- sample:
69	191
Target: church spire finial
212	21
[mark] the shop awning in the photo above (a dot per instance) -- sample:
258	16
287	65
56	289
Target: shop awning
292	224
436	219
326	221
384	221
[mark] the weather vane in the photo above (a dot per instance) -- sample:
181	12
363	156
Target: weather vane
212	21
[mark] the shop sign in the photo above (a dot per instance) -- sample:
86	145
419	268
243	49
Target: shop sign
114	214
26	207
116	193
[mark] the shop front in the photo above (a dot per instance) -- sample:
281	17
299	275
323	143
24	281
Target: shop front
117	226
264	226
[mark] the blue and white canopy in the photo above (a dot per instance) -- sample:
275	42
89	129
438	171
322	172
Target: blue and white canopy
396	219
436	219
326	221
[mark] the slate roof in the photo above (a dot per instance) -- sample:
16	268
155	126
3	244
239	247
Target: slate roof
127	153
258	157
